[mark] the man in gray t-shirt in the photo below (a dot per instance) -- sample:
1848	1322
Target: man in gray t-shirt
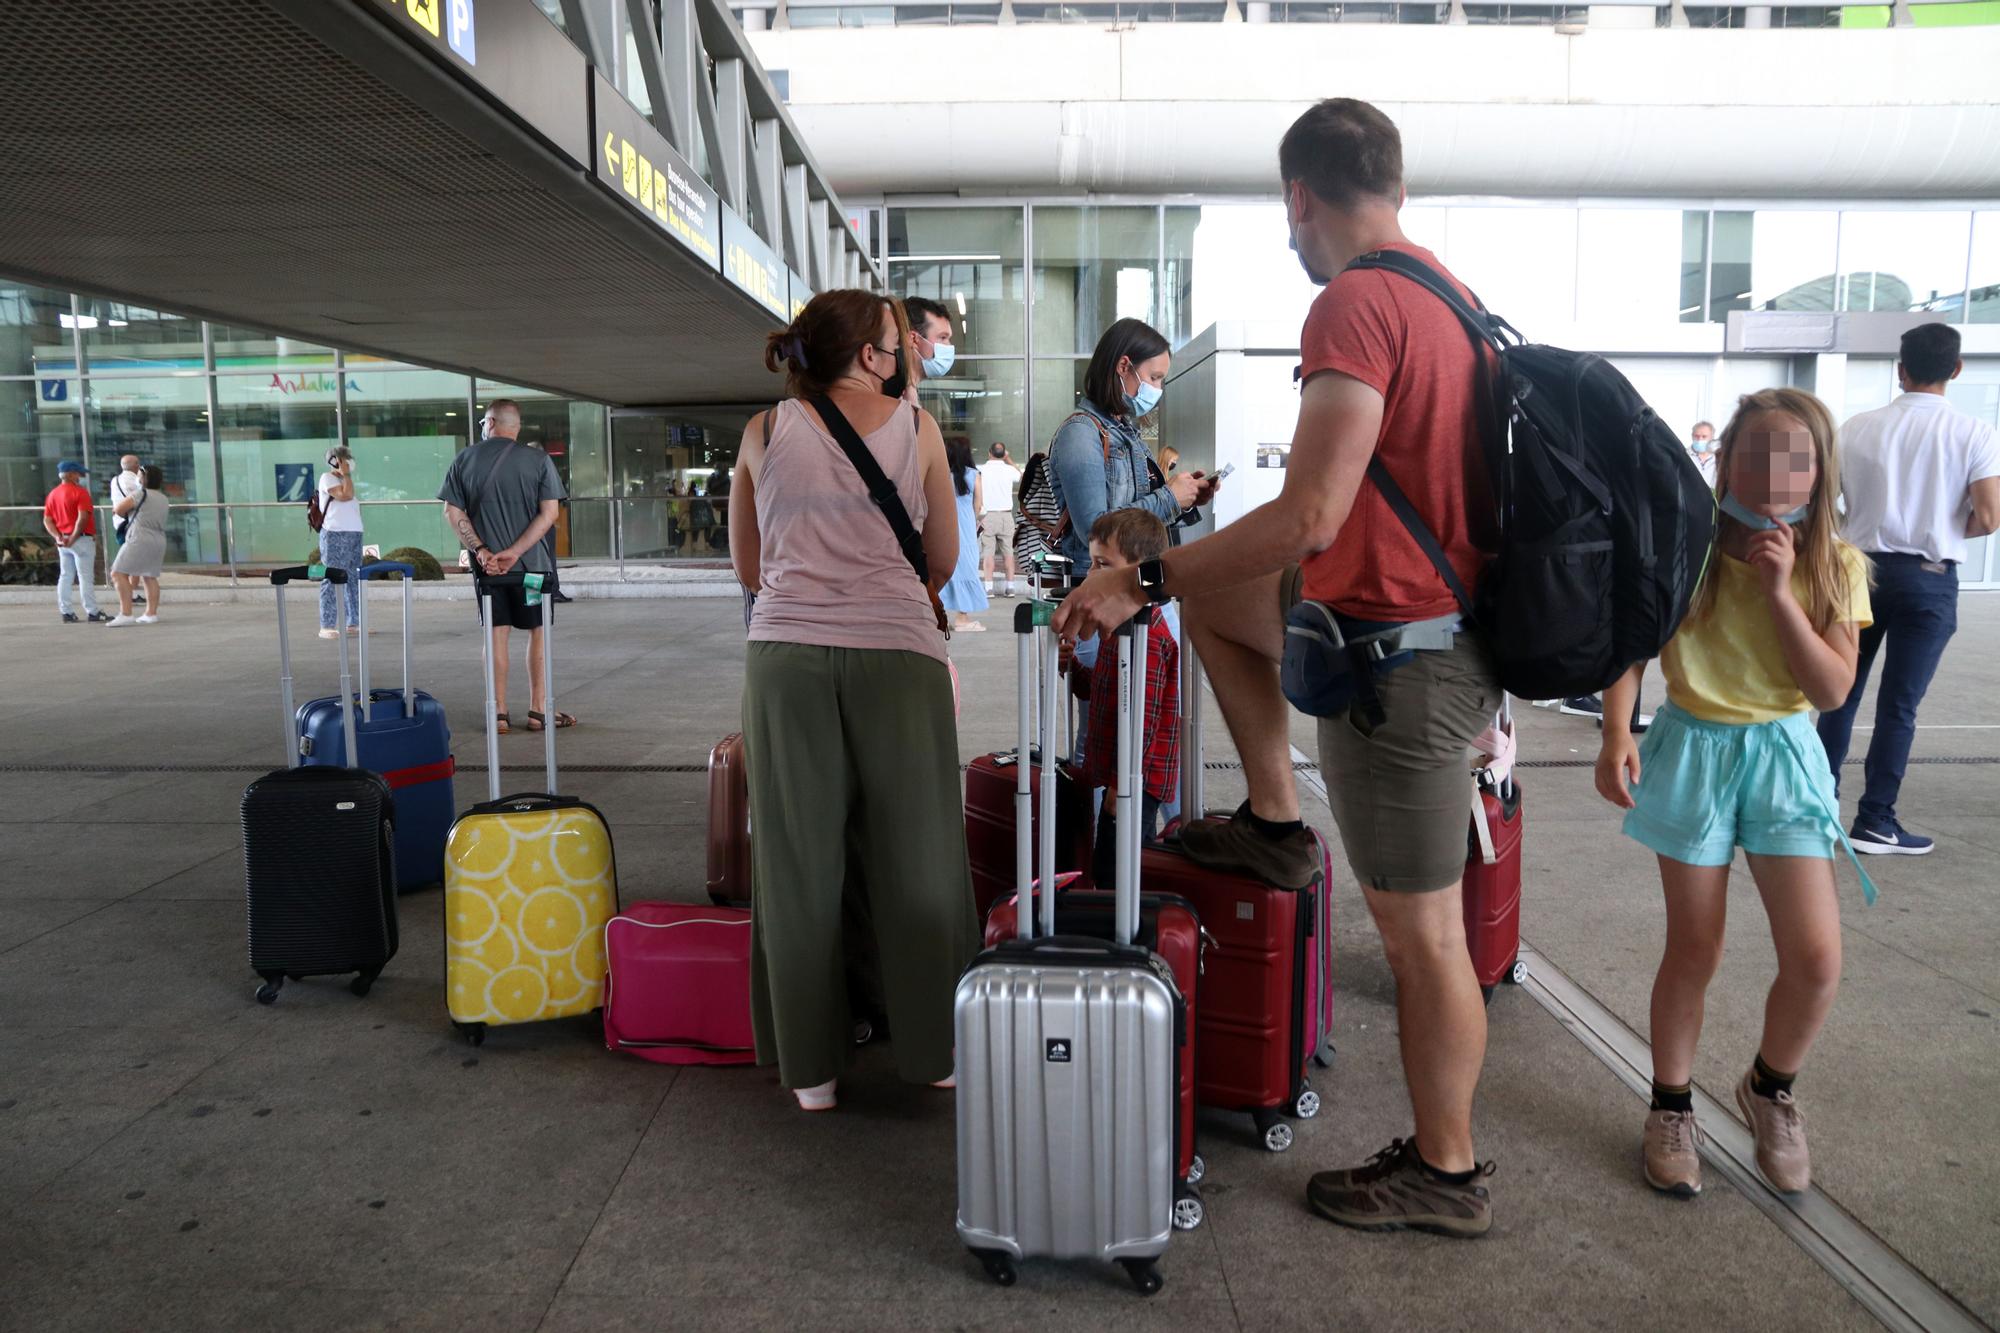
502	497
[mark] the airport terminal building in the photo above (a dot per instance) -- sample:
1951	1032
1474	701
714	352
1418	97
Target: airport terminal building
1042	171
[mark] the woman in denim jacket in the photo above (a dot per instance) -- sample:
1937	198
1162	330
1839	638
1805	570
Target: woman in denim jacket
1098	462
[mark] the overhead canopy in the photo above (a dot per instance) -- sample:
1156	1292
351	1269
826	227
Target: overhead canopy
330	170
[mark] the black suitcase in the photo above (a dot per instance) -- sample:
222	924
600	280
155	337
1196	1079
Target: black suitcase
319	855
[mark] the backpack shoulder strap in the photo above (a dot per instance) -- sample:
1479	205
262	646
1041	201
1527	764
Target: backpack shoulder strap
1103	435
1478	321
1420	531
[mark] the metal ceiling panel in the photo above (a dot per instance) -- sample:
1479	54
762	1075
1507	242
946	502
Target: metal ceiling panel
298	165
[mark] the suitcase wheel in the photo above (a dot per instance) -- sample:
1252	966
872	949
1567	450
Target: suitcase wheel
1277	1134
1486	995
1307	1105
268	992
361	983
1145	1275
1188	1210
1196	1170
474	1032
1517	973
999	1265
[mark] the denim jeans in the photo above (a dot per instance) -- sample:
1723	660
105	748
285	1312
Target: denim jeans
342	549
1916	613
77	563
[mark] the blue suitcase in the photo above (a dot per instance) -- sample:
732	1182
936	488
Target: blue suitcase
402	735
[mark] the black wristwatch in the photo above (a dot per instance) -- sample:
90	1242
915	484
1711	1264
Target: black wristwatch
1153	582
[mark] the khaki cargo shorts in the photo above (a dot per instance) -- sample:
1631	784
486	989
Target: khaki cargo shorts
1401	793
999	531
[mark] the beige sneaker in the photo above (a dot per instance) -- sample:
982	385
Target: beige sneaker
1672	1164
1779	1127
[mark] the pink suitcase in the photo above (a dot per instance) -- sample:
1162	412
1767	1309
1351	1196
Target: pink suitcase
677	984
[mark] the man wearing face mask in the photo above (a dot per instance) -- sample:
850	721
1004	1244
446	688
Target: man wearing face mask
1389	377
930	341
1921	480
1702	449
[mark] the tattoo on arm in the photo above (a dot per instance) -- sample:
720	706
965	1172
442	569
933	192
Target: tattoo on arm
468	534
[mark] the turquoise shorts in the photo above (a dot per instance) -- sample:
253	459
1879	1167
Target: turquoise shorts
1707	788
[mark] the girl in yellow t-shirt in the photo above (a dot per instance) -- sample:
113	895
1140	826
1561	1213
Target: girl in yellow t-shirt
1732	761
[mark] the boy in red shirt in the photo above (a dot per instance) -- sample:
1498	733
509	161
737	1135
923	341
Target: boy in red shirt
70	518
1119	538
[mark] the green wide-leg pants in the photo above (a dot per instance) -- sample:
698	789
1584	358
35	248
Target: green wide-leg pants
854	750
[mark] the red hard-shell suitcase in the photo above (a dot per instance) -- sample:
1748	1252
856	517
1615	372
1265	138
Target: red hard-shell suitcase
989	824
1169	927
1493	888
728	823
677	984
1264	987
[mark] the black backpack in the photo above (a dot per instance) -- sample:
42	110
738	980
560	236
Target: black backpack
1605	521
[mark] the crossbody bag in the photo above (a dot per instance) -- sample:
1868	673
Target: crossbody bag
881	491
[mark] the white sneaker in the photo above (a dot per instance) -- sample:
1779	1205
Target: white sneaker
149	619
329	634
116	621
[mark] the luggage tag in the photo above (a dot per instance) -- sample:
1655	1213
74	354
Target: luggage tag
315	571
533	583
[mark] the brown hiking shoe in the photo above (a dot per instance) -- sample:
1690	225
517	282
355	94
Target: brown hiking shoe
1395	1191
1234	846
1779	1127
1672	1164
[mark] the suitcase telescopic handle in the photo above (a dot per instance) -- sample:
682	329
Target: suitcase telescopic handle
289	718
377	570
1133	642
325	573
484	586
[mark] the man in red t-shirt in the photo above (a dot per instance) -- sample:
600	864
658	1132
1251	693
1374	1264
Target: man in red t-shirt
69	517
1389	374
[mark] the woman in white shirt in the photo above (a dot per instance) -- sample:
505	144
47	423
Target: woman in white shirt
339	538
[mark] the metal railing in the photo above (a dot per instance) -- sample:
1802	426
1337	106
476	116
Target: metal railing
639	529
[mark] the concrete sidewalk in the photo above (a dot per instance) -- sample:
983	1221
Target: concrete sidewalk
174	1155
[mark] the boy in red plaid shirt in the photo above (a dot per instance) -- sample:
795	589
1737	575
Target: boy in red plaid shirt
1127	537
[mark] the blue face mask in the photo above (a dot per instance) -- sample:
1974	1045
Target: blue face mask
1755	521
1145	398
941	359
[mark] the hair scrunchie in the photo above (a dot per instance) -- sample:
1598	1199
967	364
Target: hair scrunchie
795	349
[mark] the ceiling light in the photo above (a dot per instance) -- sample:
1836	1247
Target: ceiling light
960	296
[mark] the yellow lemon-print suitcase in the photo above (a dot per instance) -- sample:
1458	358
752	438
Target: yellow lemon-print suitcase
529	882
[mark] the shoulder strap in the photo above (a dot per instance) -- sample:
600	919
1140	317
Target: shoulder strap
1479	322
1420	531
880	489
1103	435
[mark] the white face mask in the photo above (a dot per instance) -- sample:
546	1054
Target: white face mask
1145	398
940	361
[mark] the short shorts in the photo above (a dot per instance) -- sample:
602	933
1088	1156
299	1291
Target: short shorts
1401	792
513	608
1707	788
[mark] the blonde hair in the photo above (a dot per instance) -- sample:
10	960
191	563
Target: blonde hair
1819	544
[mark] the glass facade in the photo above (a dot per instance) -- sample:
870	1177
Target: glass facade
242	418
1553	268
240	422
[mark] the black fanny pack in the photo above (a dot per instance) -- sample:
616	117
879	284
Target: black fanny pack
1332	661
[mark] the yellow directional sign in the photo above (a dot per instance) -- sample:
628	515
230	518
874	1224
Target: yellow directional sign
635	160
425	12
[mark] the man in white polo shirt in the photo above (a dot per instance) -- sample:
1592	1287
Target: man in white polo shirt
1921	480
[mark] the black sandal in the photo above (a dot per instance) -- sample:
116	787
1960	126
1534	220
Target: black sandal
503	724
537	722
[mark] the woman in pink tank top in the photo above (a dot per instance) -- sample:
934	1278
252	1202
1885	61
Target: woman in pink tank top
850	744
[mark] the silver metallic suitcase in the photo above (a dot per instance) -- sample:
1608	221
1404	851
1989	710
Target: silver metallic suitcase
1068	1046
